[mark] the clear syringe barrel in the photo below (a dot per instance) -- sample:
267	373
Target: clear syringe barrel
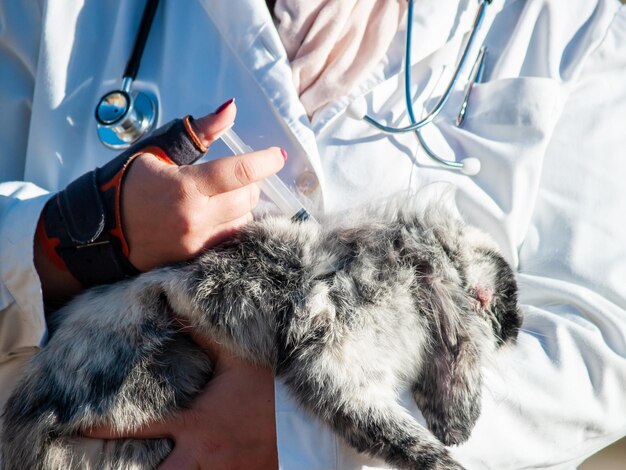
272	186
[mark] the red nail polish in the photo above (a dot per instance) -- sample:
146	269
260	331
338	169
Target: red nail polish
284	154
223	106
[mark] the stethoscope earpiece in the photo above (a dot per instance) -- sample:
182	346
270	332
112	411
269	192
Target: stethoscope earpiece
471	166
357	109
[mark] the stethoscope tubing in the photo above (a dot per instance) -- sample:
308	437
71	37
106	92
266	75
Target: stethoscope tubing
415	124
123	116
127	125
134	61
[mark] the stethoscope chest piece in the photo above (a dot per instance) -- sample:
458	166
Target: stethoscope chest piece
123	117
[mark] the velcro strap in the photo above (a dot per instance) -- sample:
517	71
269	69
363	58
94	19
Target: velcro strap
85	217
177	140
82	209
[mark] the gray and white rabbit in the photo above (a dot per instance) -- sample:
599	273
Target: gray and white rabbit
347	313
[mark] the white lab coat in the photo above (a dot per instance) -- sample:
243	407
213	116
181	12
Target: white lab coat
547	124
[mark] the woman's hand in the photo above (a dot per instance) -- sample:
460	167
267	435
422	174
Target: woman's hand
171	213
231	425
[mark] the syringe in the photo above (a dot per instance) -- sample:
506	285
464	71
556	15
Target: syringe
272	186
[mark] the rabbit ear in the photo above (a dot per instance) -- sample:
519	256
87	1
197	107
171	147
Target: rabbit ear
448	389
448	392
449	310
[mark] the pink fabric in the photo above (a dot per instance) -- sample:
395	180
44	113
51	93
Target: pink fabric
333	44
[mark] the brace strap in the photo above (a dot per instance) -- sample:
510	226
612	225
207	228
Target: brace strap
82	223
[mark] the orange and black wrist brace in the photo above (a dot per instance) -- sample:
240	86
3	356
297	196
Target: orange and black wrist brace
82	223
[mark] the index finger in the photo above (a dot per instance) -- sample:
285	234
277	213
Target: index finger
229	173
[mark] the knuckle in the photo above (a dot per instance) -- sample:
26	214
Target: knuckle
185	224
245	172
185	221
179	188
189	246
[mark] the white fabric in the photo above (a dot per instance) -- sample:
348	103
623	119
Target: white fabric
547	125
332	44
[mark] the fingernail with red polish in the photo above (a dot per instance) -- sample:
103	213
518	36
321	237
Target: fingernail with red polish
284	154
223	106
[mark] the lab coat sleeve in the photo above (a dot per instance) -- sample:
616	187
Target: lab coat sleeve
22	324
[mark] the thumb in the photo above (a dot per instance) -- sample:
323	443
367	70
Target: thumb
209	127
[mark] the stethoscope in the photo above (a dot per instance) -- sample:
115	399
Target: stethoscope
470	165
124	116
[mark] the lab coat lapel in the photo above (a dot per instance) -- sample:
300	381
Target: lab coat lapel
247	26
439	33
